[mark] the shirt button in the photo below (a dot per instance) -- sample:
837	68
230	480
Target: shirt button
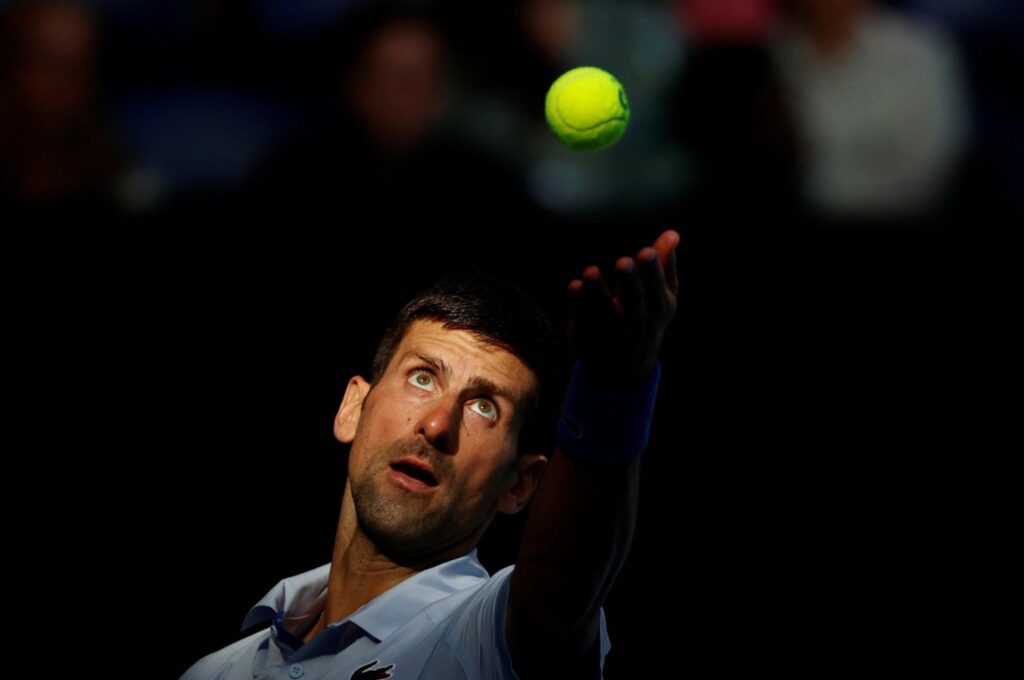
295	671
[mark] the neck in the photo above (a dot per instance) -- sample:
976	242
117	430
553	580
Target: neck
359	571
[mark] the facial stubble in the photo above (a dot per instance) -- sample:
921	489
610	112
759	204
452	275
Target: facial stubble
402	525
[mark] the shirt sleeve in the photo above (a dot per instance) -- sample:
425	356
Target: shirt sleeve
477	634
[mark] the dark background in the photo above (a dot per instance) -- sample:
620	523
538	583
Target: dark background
829	490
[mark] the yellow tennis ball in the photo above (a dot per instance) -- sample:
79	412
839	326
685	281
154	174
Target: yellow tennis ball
587	108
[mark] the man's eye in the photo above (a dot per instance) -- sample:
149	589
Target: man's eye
422	380
485	409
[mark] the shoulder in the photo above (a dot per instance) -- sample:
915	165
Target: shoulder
475	614
472	632
902	36
235	660
475	633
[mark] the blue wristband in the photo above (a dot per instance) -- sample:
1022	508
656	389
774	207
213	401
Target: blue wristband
600	425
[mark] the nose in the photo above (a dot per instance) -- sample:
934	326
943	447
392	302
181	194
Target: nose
439	425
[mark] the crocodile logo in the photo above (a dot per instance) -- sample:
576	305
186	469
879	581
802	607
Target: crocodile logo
368	673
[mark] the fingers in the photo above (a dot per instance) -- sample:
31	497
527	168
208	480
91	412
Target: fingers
597	299
622	333
644	286
630	298
666	247
590	302
652	278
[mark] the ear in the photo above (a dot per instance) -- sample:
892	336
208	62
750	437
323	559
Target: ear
347	419
525	477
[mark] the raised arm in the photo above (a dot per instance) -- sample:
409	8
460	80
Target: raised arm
583	514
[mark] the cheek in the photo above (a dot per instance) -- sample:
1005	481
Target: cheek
367	444
356	458
493	482
379	420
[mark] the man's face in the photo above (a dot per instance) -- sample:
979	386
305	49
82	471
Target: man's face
434	443
399	87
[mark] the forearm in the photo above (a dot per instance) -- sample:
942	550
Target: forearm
575	542
584	512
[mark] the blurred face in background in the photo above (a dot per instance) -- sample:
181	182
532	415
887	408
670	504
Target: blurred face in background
830	23
398	87
551	26
51	76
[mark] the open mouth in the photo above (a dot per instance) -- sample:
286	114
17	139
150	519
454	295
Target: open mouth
415	472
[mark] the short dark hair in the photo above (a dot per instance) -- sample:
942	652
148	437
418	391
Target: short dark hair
498	313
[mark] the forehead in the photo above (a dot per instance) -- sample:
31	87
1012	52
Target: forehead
468	356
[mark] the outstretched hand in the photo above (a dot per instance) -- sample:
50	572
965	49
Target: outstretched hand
617	335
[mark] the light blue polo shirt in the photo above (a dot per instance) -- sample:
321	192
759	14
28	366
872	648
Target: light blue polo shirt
445	623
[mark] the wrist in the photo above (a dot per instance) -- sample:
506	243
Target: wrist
606	425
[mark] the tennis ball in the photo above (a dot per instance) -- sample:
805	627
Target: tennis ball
587	108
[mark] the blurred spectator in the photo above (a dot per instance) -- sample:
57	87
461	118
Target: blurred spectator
385	163
397	85
880	107
990	33
55	149
728	112
727	21
199	93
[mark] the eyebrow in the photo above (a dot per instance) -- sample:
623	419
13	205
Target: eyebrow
435	363
476	382
490	387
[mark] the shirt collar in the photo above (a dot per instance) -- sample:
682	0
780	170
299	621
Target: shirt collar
301	598
384	614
